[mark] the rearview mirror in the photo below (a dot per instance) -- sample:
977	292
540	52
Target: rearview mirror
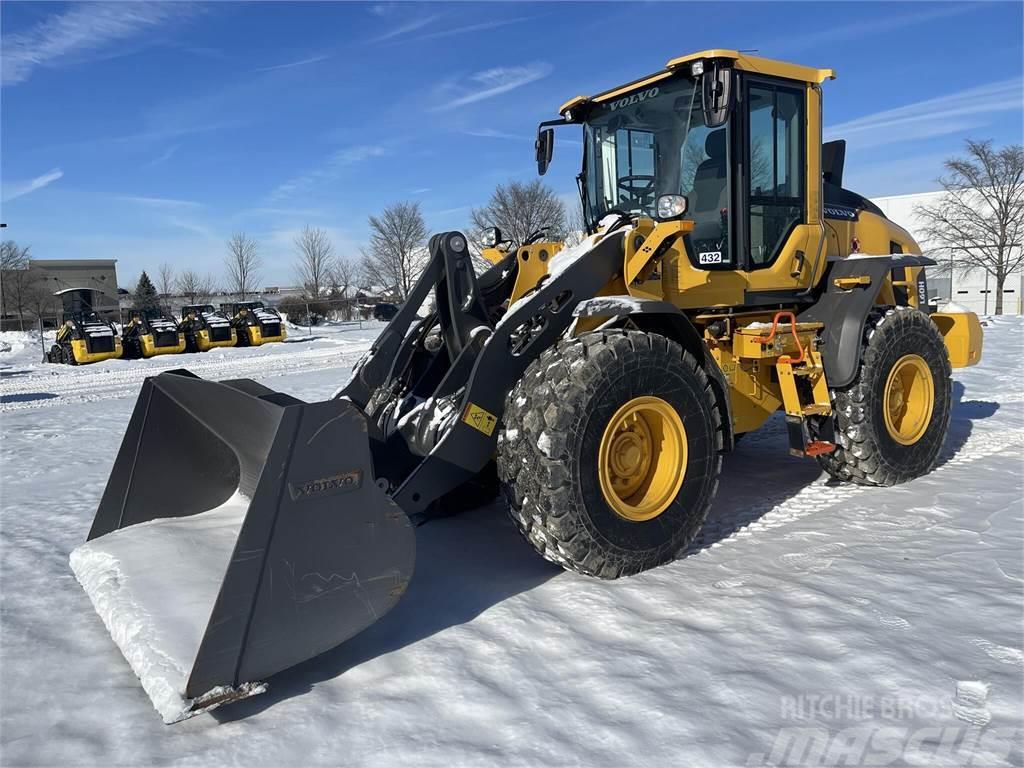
545	145
716	95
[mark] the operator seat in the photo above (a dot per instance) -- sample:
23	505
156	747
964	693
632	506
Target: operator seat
709	196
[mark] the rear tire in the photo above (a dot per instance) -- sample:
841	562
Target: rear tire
874	448
556	421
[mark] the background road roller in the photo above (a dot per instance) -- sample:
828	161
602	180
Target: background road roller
254	323
150	333
83	336
205	328
726	275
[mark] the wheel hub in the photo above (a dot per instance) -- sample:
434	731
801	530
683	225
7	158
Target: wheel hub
909	399
642	458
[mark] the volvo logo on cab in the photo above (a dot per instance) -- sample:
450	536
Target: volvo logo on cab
636	98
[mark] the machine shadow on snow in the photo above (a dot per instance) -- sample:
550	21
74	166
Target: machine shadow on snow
27	397
492	564
961	422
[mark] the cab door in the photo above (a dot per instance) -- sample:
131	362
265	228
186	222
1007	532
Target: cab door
779	195
764	240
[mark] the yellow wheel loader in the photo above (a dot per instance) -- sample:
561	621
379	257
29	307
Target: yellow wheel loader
83	336
726	275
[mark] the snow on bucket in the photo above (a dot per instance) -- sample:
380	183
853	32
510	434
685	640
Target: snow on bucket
126	575
241	532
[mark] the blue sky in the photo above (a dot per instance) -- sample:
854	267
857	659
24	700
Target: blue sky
151	132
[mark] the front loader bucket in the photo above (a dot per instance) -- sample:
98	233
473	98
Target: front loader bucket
241	532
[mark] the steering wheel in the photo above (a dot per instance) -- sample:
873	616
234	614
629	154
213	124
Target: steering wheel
639	188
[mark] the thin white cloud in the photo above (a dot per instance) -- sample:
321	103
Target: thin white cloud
185	215
420	191
79	31
871	27
450	211
299	63
491	133
264	212
490	83
482	26
940	116
158	202
329	171
18	189
404	29
164	156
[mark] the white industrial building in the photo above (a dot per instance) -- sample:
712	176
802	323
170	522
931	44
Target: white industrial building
974	290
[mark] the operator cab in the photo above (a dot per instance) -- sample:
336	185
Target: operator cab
723	139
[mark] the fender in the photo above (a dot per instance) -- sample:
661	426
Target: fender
666	318
844	306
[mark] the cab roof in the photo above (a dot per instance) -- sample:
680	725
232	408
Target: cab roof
741	61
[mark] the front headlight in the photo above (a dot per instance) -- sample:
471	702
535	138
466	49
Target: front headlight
671	206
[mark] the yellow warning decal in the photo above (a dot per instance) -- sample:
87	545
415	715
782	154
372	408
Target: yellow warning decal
480	419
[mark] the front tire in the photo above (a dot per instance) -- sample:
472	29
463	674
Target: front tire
891	420
639	396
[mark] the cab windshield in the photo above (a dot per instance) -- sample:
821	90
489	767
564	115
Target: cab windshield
654	142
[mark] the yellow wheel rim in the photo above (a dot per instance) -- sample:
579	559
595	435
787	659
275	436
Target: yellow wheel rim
909	399
642	458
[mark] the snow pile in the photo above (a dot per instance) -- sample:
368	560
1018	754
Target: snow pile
154	585
566	257
951	307
560	262
609	305
214	320
163	325
13	342
267	315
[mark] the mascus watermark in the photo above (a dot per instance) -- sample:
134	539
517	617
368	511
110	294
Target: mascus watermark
889	730
882	745
831	706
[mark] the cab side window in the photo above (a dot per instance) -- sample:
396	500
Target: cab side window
776	168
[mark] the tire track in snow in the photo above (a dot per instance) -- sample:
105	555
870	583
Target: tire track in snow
779	510
89	386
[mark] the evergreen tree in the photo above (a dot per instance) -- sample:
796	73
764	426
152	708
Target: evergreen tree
145	296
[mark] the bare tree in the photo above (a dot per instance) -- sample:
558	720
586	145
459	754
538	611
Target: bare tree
39	299
165	279
315	260
243	263
195	287
575	225
13	256
519	209
980	218
397	253
342	276
17	280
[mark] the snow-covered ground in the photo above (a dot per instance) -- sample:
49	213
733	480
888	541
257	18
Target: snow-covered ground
811	624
